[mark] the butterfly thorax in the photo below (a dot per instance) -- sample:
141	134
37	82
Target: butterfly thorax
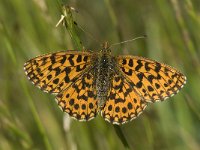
104	76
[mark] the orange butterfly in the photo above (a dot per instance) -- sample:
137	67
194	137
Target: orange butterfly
86	83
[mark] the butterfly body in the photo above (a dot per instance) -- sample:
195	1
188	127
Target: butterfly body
104	70
86	83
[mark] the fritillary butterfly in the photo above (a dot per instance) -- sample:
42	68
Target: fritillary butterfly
86	83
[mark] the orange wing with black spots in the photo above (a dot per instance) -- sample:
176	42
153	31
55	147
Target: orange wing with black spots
56	71
124	103
153	81
78	100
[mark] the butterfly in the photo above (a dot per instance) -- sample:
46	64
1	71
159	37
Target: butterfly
87	83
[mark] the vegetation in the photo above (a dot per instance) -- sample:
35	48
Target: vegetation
30	119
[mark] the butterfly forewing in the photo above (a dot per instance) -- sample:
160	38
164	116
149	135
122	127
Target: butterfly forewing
56	71
123	104
152	80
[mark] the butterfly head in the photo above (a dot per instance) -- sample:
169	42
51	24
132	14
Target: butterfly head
106	48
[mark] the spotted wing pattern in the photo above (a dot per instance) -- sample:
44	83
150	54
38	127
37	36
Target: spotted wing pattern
124	103
79	99
54	72
152	80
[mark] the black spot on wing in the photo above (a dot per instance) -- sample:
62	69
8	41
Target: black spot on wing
139	65
130	63
85	58
63	60
124	62
140	76
71	60
147	66
79	58
158	67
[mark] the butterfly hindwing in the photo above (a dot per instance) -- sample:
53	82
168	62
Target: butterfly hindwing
78	100
152	80
123	103
54	72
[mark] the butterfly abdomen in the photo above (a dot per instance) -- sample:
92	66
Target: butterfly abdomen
103	80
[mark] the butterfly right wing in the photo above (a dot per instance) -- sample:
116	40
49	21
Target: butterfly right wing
56	71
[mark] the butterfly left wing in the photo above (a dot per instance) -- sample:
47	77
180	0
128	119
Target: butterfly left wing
152	80
124	103
56	71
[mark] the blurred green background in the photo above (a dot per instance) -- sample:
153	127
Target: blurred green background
31	119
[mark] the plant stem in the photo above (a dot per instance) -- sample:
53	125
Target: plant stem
69	23
121	136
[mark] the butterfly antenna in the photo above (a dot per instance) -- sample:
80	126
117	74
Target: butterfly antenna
140	37
88	33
